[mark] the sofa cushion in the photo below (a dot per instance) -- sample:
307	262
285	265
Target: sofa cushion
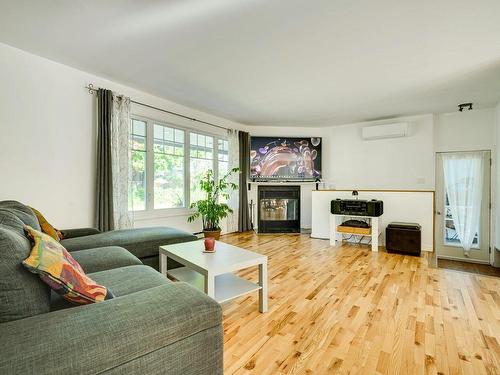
78	232
101	337
22	294
122	281
142	242
23	212
131	279
154	261
104	258
10	221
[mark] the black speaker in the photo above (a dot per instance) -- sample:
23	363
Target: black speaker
403	238
375	208
335	207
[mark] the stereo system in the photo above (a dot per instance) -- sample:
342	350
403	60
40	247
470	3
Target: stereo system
357	207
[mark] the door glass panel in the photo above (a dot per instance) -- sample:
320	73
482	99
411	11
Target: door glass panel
450	234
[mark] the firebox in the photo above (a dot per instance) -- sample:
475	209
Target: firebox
279	209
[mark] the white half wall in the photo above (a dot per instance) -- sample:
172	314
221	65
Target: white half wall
47	143
406	206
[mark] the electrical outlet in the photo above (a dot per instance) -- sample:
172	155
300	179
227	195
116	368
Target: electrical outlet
421	181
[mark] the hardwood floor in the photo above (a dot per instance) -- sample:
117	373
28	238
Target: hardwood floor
481	269
347	310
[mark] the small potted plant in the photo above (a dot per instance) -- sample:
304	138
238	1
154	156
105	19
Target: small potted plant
210	209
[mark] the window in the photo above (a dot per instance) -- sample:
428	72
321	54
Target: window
168	167
201	159
137	201
223	161
167	162
223	156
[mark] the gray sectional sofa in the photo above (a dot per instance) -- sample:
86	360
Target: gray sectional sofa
152	326
142	242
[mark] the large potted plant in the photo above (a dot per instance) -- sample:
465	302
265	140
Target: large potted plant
210	209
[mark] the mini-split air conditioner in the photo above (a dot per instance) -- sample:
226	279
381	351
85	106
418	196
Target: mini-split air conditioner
395	130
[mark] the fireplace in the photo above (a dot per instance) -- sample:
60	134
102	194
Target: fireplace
279	209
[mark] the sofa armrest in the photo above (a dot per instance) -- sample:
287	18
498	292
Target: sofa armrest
98	337
79	232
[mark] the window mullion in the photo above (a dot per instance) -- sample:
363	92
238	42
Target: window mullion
150	166
215	158
187	168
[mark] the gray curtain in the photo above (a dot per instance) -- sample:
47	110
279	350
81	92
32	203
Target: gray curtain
244	222
104	194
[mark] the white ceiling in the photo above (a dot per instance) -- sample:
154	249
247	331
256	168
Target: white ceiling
271	62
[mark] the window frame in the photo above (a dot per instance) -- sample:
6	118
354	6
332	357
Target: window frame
150	211
145	154
150	167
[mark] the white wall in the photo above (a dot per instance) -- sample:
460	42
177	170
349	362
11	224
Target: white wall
47	141
349	162
396	163
465	131
496	194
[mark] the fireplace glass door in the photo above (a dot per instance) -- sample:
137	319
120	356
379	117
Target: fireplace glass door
279	209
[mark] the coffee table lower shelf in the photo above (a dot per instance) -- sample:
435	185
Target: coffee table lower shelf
227	286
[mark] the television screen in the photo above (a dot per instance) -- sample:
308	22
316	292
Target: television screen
285	158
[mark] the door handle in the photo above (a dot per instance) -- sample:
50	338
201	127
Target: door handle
438	213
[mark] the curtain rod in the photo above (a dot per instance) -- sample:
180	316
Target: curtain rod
92	90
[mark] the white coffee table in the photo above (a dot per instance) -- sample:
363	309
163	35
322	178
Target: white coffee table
213	272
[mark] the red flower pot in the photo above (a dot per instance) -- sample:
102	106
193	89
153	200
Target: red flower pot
209	244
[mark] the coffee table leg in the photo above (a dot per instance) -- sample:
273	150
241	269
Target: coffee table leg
263	290
163	264
210	285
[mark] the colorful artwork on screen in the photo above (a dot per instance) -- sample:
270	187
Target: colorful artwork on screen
285	158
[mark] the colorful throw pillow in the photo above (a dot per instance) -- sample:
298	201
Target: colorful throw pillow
56	267
47	228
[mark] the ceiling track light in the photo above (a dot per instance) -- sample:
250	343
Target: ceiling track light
463	106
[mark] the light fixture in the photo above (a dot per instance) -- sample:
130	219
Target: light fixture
463	106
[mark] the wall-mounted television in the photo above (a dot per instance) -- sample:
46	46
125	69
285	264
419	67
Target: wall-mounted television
283	158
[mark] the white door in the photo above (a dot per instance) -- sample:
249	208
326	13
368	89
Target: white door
460	177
